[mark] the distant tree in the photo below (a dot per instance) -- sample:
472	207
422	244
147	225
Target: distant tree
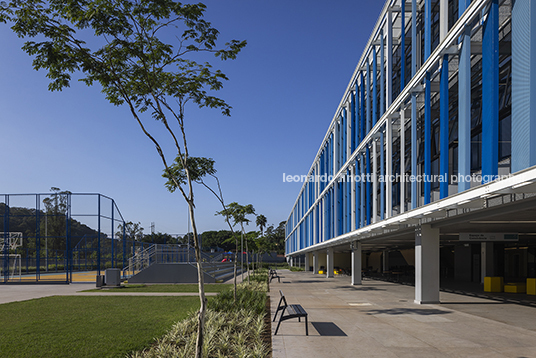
220	239
261	222
278	238
54	226
161	238
133	231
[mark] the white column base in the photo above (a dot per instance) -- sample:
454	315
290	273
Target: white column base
426	265
329	273
356	263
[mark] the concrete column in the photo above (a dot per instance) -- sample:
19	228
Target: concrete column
413	37
426	265
315	262
291	261
464	104
443	19
356	263
374	181
389	60
336	208
352	199
348	129
329	264
369	95
389	167
335	150
414	192
402	159
385	264
486	251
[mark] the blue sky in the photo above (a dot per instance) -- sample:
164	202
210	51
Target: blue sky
284	89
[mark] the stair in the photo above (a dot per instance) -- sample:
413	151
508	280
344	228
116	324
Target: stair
222	271
165	255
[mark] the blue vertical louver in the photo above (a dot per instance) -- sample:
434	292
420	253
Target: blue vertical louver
444	127
369	187
490	94
348	204
357	194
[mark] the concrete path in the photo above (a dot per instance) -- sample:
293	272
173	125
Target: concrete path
380	319
14	293
23	292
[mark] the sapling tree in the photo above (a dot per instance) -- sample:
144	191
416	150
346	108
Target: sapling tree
238	213
141	54
200	168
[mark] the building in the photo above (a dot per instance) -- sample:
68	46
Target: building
428	167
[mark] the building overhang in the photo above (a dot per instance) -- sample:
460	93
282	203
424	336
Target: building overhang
463	211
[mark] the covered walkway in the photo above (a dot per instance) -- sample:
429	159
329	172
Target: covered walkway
380	319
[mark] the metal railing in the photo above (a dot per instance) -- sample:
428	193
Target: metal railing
159	253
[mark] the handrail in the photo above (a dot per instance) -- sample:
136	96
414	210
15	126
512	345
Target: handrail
162	253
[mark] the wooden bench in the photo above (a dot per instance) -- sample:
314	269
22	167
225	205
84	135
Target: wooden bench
292	311
273	274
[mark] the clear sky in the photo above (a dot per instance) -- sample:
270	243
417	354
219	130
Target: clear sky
284	89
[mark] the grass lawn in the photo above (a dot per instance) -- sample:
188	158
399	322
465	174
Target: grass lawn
100	326
184	287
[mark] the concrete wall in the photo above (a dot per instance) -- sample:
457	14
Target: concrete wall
375	261
342	260
462	263
322	259
409	256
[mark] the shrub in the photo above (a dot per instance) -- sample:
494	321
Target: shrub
231	330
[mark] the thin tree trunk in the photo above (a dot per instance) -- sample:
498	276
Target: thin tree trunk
235	259
220	198
201	283
247	258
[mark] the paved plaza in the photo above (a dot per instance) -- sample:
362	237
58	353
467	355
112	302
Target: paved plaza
380	319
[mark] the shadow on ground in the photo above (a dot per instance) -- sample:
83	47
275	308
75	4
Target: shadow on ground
359	288
328	329
401	311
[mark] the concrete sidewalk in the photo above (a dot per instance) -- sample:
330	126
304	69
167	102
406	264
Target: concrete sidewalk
380	319
22	292
15	293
